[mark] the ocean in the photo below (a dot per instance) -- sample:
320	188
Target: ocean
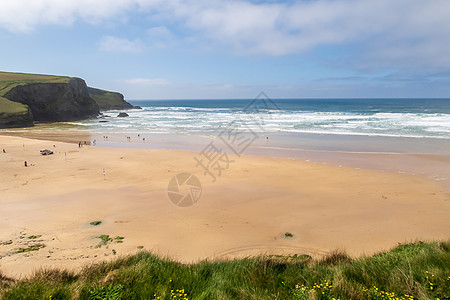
414	118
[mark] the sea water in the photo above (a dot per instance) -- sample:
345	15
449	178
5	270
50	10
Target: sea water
418	118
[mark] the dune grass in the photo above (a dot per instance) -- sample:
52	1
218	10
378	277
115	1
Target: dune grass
411	271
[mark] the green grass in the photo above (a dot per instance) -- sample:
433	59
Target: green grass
10	80
388	275
96	223
104	240
31	248
105	99
33	237
9	108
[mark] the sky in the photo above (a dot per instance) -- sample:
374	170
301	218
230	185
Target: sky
209	49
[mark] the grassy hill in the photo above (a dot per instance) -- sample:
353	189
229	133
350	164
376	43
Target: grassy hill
411	271
108	100
48	102
10	108
10	80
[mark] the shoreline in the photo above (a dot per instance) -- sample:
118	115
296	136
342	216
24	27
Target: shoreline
247	211
426	157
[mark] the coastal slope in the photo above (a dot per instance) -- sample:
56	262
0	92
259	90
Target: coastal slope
28	98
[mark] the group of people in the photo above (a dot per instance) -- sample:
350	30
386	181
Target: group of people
80	144
139	136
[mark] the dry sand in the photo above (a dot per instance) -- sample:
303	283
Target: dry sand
247	211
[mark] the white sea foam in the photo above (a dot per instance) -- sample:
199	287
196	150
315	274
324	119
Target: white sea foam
206	120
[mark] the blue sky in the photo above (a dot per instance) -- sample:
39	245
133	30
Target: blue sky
175	49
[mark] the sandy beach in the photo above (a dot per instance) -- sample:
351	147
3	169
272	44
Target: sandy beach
247	211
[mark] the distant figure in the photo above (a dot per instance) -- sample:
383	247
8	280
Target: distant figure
94	142
26	165
54	146
143	139
4	151
139	135
79	144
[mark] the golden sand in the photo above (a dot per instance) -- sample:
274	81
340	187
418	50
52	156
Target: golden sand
246	211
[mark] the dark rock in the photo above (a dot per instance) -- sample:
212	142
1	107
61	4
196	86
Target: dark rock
42	98
53	102
16	121
103	121
137	107
122	115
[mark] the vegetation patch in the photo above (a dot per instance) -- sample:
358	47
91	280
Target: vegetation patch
96	223
33	237
411	271
110	292
105	239
119	239
31	248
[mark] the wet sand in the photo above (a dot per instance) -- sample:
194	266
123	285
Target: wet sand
246	211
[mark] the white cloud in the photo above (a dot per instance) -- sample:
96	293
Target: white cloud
147	81
393	32
115	44
25	15
384	32
160	36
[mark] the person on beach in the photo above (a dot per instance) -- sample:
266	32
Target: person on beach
26	165
4	151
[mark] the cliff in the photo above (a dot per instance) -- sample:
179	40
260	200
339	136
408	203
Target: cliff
108	100
27	98
55	102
